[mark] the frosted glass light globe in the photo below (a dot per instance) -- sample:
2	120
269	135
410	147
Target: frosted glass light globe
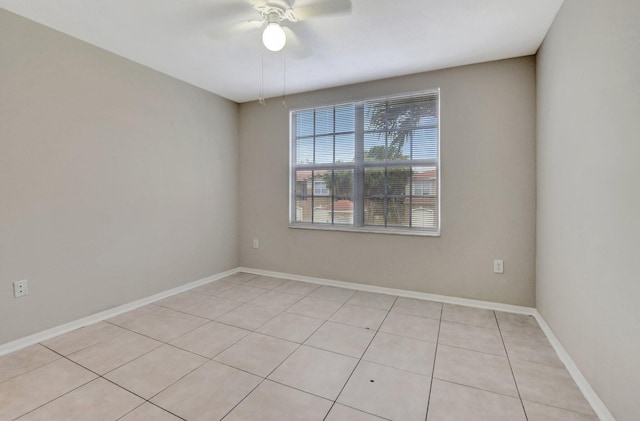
274	37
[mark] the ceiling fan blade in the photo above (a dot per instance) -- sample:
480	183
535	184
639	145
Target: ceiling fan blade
224	31
323	8
294	45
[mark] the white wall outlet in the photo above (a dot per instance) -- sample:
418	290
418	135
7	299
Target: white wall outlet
20	288
256	243
498	266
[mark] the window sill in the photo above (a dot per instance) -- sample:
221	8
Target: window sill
367	230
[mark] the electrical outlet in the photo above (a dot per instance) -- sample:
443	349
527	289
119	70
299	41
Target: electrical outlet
20	288
256	243
498	266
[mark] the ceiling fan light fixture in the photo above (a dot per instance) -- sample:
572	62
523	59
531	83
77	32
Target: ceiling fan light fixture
274	37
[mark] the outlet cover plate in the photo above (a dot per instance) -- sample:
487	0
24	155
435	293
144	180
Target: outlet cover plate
20	288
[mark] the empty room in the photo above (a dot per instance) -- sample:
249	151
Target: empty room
320	210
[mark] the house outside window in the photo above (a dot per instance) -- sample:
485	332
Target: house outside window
371	165
320	188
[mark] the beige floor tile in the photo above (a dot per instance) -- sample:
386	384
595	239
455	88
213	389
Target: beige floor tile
469	315
98	400
312	370
343	339
239	278
539	412
415	327
208	393
530	346
329	293
403	353
453	402
517	322
258	354
242	293
163	324
314	307
25	393
24	360
156	370
149	412
213	288
292	327
211	339
266	282
82	338
415	307
475	369
118	350
297	287
373	300
200	305
549	385
476	338
276	300
373	387
359	316
344	413
274	402
248	316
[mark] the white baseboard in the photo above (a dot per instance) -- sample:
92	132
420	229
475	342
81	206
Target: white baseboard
590	395
97	317
399	292
594	400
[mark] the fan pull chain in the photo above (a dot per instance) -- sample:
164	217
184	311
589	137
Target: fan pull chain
284	78
261	96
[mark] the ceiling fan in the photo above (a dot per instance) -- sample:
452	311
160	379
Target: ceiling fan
274	13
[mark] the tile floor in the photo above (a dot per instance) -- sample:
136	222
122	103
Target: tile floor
252	347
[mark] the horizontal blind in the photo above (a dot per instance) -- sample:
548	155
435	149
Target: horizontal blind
369	164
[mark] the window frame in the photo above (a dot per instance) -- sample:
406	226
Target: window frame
360	163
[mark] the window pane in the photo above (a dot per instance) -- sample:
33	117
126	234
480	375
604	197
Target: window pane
324	150
304	123
398	212
374	181
342	184
322	210
303	179
303	210
345	118
304	151
374	147
425	143
374	211
375	116
398	181
342	211
324	121
345	147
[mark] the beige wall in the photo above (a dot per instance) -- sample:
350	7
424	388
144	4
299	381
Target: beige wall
488	191
116	182
588	286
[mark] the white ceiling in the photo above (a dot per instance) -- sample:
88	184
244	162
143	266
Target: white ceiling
378	39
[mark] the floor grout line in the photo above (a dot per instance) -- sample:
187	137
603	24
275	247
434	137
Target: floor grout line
433	368
511	368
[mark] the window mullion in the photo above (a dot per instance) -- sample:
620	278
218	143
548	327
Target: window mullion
358	170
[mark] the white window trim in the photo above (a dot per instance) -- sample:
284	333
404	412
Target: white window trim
358	215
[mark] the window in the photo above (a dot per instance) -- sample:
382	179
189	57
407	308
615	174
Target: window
371	165
320	188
